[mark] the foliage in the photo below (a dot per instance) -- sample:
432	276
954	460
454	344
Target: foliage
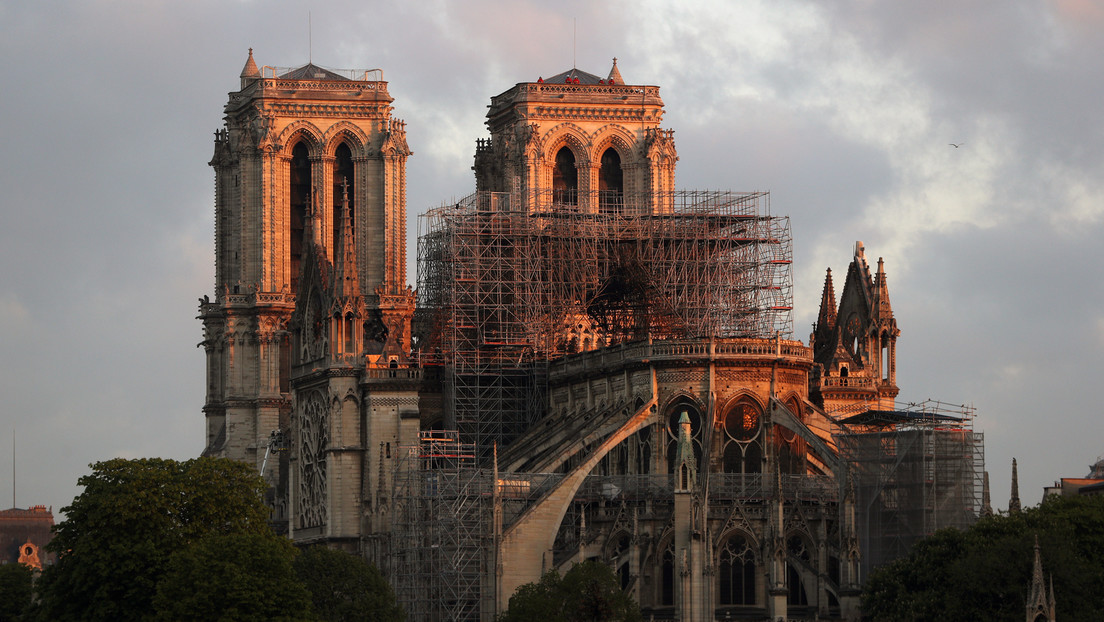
118	534
16	582
589	591
985	573
345	587
233	577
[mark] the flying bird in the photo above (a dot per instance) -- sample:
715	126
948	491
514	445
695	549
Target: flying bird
956	145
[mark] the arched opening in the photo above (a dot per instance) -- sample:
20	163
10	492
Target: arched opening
799	559
610	183
299	207
620	556
667	575
791	447
342	187
736	572
743	451
565	178
884	356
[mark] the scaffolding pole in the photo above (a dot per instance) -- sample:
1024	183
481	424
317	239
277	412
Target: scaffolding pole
508	282
916	469
443	543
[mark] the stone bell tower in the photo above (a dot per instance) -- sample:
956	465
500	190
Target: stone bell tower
310	260
580	141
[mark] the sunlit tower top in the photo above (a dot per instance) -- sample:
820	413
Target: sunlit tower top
580	142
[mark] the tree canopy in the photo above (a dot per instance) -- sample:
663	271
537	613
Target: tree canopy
118	534
233	578
346	588
589	591
15	591
984	573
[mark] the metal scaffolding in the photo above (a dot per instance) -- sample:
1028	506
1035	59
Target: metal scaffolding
507	282
915	470
442	531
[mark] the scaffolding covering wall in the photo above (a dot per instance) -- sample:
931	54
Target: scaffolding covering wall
914	470
442	531
506	281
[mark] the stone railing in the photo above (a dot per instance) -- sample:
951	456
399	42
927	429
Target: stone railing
375	374
849	381
678	350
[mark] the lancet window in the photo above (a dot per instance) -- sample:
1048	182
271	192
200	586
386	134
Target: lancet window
742	447
298	207
565	178
610	183
736	572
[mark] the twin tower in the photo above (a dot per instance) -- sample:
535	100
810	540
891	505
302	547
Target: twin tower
581	316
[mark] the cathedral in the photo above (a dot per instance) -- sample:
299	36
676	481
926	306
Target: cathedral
595	365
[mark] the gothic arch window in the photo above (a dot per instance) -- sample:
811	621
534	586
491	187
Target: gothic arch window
565	178
742	448
675	411
610	183
791	447
885	356
342	185
298	206
799	562
736	572
667	574
619	555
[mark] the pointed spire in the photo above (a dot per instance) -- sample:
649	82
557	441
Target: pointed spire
883	310
614	74
250	72
685	468
1014	501
1040	602
1050	600
1037	572
345	257
826	320
986	505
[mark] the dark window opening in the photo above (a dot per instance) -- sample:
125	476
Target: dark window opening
300	189
667	577
737	573
565	178
610	183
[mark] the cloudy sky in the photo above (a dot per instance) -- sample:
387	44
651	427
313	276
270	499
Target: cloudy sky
844	111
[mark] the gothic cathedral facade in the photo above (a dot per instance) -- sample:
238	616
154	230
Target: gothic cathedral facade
675	435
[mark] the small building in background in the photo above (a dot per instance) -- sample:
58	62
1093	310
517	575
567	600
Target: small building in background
24	534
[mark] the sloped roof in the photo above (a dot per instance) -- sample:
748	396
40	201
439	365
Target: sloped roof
310	71
893	417
584	77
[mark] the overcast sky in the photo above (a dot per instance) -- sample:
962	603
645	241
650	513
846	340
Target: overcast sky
844	111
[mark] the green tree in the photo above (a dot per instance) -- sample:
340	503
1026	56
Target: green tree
984	573
346	587
233	578
16	582
118	534
587	592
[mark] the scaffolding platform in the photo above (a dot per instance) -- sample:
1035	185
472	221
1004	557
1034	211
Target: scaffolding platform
915	469
507	282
